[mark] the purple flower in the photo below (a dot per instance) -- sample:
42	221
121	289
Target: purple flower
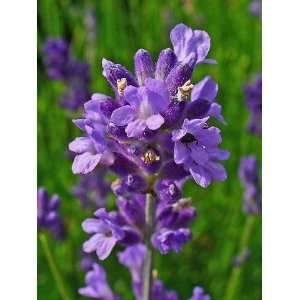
253	93
114	72
145	105
48	216
196	147
86	262
56	57
187	42
198	294
175	216
92	149
167	191
96	285
249	176
106	233
168	240
203	101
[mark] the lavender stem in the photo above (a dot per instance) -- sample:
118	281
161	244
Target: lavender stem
53	267
149	216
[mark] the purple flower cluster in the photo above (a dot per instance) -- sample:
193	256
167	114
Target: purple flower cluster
154	135
48	216
250	179
151	124
75	75
253	93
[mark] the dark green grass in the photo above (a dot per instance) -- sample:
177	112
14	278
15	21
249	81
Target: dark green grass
122	28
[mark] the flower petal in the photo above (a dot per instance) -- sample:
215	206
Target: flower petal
180	153
80	145
123	115
159	95
92	243
155	121
91	225
85	163
135	128
178	134
201	176
132	96
215	111
88	291
105	247
205	89
186	41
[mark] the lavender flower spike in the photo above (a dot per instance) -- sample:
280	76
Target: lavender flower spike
152	137
96	285
186	41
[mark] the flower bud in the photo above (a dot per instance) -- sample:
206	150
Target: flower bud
143	65
165	63
112	72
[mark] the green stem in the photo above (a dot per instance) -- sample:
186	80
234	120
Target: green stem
53	267
149	217
236	271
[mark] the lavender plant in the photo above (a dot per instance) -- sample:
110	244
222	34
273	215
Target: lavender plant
249	176
253	93
48	216
75	75
154	135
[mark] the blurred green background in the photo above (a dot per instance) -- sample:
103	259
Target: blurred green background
221	230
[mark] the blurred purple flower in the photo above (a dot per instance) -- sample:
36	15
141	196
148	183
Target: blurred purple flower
48	216
253	93
249	176
256	8
198	294
74	74
96	285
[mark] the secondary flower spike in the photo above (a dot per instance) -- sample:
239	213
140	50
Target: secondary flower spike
48	216
253	94
249	176
75	75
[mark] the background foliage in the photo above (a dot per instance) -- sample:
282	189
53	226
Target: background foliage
221	229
